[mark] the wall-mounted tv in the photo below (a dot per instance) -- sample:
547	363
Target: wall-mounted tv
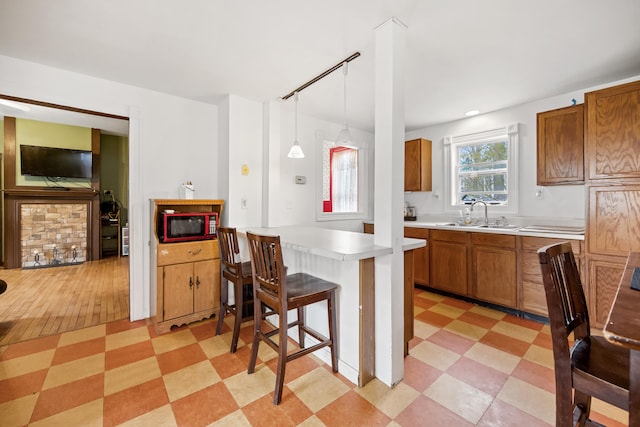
55	162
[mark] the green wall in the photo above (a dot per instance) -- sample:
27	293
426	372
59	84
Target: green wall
114	168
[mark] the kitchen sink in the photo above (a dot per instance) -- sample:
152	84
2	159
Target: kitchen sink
500	227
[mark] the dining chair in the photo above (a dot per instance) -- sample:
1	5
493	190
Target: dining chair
238	273
590	366
275	293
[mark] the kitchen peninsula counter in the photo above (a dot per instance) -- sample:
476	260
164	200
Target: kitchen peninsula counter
348	259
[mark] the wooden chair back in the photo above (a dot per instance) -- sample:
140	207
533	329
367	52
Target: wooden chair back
229	250
269	273
566	301
586	365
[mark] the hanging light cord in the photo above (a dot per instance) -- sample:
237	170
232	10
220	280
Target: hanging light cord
345	68
295	99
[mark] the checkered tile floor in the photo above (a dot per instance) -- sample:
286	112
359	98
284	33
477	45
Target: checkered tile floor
468	365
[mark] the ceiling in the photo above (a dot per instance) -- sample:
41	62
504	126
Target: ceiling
462	54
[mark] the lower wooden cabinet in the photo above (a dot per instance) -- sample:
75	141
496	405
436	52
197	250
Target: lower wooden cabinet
420	255
504	269
493	268
188	285
448	261
532	295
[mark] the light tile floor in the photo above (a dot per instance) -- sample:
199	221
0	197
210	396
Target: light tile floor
468	365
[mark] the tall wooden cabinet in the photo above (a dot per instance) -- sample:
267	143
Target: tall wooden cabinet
560	146
417	165
187	274
613	133
613	166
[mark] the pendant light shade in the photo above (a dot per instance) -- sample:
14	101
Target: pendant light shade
344	136
295	152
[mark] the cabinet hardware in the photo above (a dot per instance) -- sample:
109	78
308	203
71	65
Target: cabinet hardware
197	281
196	252
191	282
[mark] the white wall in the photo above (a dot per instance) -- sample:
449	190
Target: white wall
244	202
565	201
299	202
172	140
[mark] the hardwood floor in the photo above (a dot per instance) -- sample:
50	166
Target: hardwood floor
48	301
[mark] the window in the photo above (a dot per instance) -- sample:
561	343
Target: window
342	174
342	194
483	167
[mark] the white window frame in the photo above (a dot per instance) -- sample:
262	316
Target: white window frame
363	199
510	133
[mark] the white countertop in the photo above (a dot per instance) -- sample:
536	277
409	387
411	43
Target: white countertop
328	243
528	230
519	226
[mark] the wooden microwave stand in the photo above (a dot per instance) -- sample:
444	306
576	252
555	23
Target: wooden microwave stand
186	274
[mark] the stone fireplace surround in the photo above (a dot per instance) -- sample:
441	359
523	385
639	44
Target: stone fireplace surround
51	222
53	234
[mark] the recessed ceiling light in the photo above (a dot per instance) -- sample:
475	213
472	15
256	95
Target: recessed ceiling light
472	113
15	105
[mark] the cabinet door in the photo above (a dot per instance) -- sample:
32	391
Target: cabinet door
561	146
604	277
420	255
493	275
614	220
613	132
449	266
532	294
206	293
178	290
417	165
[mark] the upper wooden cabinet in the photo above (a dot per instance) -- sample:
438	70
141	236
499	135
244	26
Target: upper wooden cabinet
613	132
561	146
417	165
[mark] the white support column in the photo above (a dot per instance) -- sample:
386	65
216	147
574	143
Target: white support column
271	188
390	60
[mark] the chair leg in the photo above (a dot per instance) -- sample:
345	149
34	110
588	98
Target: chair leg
301	323
238	313
224	299
564	401
582	408
257	313
282	358
331	309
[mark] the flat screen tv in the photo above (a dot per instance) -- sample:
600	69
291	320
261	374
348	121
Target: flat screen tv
55	162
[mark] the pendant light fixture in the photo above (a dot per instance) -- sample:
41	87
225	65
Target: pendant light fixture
296	151
344	136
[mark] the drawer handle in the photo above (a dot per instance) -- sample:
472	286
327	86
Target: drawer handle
190	282
197	281
196	252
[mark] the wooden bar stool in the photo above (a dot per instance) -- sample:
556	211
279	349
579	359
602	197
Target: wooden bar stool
591	366
275	292
239	273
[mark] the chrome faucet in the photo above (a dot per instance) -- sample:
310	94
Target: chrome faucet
486	218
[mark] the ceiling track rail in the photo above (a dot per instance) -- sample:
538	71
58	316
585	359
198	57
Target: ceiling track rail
321	76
